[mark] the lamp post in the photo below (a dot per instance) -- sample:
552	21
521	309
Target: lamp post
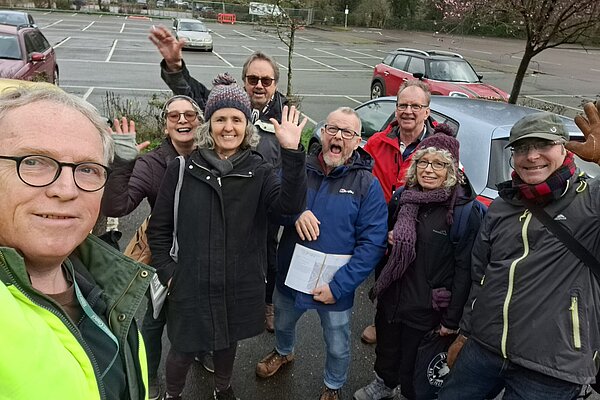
346	17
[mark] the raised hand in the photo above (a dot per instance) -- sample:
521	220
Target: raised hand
168	46
289	131
590	126
124	128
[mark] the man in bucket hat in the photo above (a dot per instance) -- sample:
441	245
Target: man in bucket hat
532	323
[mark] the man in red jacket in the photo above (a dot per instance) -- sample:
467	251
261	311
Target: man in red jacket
393	147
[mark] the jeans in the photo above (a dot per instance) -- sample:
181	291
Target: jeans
478	371
336	333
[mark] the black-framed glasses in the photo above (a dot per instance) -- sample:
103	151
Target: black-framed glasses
265	80
189	115
40	171
414	107
436	165
346	133
541	146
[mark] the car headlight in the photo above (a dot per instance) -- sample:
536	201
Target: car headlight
458	94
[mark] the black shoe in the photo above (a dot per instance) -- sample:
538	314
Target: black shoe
206	360
225	394
153	389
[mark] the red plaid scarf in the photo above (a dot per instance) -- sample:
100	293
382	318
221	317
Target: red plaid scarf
552	188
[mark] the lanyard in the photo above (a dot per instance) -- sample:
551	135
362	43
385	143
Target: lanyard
98	321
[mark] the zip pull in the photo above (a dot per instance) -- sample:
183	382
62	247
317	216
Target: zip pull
482	280
522	217
219	180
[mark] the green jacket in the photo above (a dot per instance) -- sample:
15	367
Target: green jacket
44	353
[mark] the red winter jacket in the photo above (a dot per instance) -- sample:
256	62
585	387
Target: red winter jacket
390	168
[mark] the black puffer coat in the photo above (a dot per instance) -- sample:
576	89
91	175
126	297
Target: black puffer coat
217	290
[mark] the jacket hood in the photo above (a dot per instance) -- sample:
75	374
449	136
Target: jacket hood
466	193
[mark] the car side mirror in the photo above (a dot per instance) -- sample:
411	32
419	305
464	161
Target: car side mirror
480	76
419	75
37	57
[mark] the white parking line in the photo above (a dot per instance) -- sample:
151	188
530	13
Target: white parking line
46	13
112	50
61	42
310	119
363	54
345	58
219	35
248	48
222	59
52	24
243	34
538	61
353	99
88	92
305	39
312	59
594	69
122	28
472	51
90	24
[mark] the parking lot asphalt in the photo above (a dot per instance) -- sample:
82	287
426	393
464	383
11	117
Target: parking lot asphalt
100	54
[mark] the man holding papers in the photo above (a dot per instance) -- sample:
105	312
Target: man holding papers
329	249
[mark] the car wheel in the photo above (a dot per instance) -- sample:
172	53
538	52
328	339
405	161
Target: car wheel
376	90
55	77
314	148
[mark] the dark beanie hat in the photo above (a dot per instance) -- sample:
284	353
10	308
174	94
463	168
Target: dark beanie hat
442	139
227	94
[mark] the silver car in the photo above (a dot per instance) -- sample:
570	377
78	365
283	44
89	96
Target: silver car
482	129
194	32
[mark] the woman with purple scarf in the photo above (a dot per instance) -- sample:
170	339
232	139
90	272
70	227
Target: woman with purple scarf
425	283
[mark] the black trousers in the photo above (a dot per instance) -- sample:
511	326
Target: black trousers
272	243
396	352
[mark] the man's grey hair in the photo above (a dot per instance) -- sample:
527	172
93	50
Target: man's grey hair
19	96
259	55
204	139
416	83
347	111
454	174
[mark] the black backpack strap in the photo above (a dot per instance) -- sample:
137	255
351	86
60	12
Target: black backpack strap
461	216
564	236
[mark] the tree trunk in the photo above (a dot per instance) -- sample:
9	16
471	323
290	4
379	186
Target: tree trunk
516	89
290	55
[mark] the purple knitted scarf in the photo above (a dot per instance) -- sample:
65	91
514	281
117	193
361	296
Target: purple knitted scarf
405	233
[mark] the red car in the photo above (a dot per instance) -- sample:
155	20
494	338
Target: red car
446	73
26	54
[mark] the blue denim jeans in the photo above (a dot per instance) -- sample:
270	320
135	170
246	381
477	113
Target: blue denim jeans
336	333
478	372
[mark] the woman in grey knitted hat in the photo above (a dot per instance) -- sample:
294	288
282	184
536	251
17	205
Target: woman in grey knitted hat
217	286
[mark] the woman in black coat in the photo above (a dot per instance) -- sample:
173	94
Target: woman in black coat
217	285
134	179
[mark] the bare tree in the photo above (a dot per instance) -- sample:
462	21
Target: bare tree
545	23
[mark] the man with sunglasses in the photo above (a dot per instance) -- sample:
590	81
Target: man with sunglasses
532	319
393	147
260	74
67	299
345	213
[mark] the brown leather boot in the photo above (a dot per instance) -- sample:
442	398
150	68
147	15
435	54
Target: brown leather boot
369	335
330	394
270	317
269	365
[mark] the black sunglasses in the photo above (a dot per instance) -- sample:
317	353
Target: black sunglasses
253	80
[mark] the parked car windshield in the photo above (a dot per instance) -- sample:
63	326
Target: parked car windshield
9	47
452	70
191	26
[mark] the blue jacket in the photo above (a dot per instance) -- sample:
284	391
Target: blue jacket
350	205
